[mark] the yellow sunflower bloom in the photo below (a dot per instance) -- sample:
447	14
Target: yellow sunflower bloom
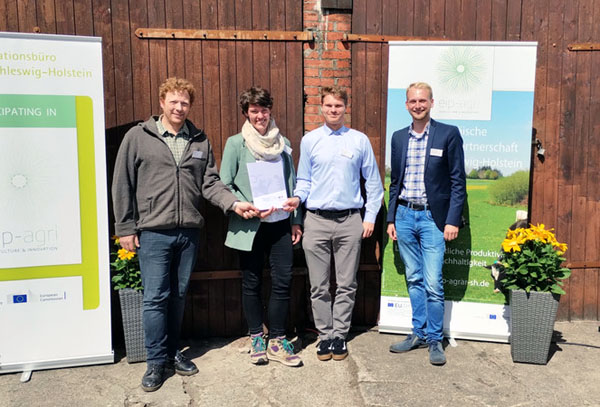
125	254
511	245
561	246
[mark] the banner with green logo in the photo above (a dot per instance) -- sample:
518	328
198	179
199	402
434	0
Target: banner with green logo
54	271
486	89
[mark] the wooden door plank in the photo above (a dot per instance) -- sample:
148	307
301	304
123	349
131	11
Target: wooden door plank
200	306
234	323
484	20
452	10
175	49
590	294
140	60
390	18
499	9
527	23
567	151
406	23
421	18
437	18
294	98
216	308
8	16
513	20
84	23
47	16
359	63
467	26
553	89
157	53
581	134
102	28
65	17
243	54
278	64
539	114
194	61
122	60
26	16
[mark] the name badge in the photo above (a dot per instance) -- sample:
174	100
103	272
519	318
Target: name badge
198	154
436	152
287	149
347	153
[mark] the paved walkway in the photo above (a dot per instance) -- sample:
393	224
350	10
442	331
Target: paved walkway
477	374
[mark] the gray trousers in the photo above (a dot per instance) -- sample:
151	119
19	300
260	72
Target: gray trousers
343	237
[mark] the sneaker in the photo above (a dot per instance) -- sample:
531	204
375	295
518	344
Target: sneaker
411	342
339	349
436	354
154	377
324	350
258	354
281	350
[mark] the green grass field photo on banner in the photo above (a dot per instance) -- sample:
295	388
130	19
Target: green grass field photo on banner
478	244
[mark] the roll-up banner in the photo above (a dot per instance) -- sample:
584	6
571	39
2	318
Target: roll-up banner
54	264
486	89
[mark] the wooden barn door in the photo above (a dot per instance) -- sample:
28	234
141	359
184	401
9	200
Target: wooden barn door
133	69
565	193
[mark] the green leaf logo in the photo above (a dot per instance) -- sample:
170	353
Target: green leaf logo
460	69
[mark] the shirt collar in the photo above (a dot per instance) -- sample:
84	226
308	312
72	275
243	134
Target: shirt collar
419	136
183	131
330	132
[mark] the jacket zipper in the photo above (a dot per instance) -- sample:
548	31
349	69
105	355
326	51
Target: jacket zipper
179	198
178	186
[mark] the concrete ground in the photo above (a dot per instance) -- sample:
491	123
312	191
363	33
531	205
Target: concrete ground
477	374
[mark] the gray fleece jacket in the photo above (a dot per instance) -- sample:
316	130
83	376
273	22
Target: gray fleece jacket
151	191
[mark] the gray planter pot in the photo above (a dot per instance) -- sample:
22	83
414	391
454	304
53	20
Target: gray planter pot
531	325
131	311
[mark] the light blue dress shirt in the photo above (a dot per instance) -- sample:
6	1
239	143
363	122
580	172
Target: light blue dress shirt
331	162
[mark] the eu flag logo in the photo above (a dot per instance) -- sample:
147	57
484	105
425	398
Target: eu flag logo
390	304
19	299
492	316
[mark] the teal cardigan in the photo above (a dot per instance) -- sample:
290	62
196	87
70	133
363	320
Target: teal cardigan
234	174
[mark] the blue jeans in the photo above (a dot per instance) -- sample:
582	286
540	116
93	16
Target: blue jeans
421	245
167	258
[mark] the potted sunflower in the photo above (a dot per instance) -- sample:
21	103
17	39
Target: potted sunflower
532	260
127	280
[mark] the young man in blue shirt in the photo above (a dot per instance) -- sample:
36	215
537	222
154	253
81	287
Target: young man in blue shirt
332	159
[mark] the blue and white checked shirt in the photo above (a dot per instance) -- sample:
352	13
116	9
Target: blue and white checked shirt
329	171
413	188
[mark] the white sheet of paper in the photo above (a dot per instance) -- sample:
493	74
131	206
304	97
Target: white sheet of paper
267	184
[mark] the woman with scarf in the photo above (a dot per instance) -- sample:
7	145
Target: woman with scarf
273	233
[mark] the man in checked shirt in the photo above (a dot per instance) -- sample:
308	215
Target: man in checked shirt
427	194
165	168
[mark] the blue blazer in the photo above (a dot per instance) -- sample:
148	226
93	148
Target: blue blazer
445	180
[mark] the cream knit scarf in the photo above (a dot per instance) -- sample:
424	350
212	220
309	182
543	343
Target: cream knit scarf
267	147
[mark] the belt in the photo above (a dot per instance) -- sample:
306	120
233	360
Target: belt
333	214
413	206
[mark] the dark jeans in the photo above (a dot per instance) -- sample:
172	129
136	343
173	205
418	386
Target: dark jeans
167	259
274	240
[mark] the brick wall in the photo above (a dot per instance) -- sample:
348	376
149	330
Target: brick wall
326	60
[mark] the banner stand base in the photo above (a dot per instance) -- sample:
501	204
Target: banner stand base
25	376
450	335
28	368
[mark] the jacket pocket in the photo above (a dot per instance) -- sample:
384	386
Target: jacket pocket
146	209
